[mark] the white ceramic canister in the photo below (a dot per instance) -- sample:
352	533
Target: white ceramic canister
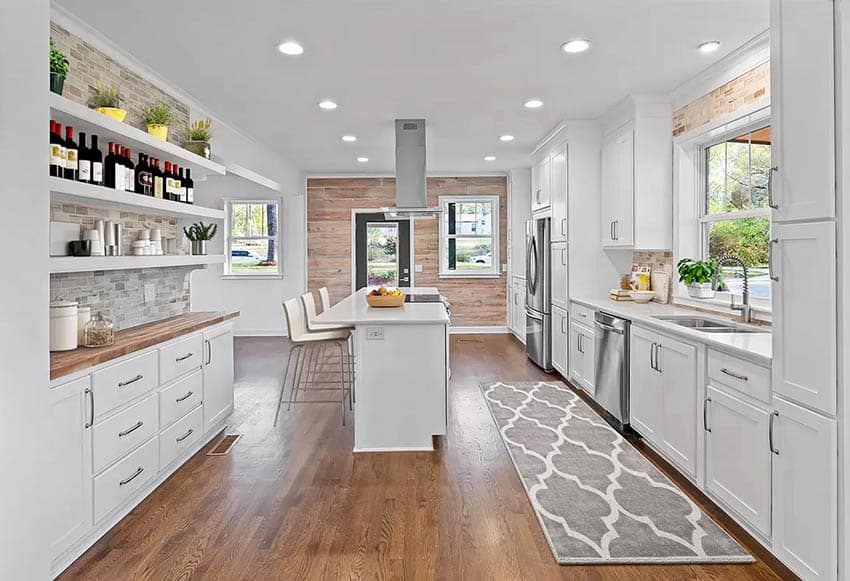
63	325
83	317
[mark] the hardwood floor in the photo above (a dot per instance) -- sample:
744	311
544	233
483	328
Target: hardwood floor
295	503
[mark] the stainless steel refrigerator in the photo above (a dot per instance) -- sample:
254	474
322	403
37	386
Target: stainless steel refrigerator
538	307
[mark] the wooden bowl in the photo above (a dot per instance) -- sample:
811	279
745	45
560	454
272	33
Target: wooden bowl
382	302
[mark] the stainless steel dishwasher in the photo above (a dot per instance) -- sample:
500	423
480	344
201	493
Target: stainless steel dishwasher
612	365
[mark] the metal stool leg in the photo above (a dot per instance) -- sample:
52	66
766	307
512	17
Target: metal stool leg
293	350
299	370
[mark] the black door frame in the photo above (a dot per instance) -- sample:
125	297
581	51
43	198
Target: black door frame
354	213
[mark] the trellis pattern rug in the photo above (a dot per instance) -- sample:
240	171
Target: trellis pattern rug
598	500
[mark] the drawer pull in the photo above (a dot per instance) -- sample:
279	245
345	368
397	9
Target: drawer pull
132	477
185	397
128	431
129	381
186	435
184	358
733	374
90	393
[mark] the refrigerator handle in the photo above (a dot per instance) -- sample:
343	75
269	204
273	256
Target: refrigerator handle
528	264
533	266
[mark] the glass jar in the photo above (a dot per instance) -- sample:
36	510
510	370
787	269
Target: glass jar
626	281
99	332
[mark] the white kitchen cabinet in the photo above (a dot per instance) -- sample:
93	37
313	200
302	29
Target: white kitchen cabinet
738	461
582	360
518	307
559	272
68	464
805	498
802	109
618	190
645	396
218	375
804	313
560	332
540	181
558	168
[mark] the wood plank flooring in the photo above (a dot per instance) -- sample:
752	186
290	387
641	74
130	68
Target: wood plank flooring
295	503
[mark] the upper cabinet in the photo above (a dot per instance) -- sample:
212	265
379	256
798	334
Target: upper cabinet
637	183
558	169
540	184
802	184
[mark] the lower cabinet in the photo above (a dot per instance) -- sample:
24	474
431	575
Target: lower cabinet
582	357
560	331
120	482
218	376
517	308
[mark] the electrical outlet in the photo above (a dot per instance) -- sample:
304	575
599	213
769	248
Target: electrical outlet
504	268
374	333
418	268
150	293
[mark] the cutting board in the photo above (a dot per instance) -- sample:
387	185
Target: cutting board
660	283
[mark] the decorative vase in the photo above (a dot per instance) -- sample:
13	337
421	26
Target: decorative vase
159	131
199	247
700	290
57	82
201	148
114	112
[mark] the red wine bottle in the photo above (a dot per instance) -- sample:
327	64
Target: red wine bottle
144	177
131	170
84	161
57	162
71	160
158	187
178	183
96	158
189	184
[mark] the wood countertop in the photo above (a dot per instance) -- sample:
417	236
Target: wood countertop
127	341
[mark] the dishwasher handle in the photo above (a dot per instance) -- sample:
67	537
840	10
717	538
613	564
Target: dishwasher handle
605	327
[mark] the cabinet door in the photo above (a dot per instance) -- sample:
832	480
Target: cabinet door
738	463
536	186
560	330
519	309
576	357
560	257
624	222
805	499
610	192
218	376
804	312
645	395
558	194
540	181
802	109
68	465
678	364
588	346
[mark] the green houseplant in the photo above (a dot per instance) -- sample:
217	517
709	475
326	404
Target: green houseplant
198	234
198	138
697	276
58	68
107	100
157	117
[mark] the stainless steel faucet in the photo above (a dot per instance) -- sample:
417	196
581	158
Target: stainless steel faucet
744	307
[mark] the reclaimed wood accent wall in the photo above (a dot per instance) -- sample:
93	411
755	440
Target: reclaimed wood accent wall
475	302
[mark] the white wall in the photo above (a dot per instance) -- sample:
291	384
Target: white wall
24	378
519	181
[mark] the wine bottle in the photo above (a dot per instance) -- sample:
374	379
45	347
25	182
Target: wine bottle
169	182
178	183
96	158
144	177
83	160
71	160
57	163
158	188
189	183
114	171
131	170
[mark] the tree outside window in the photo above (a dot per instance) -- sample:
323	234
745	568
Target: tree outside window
252	243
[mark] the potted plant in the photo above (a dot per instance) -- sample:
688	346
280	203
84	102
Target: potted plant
107	101
198	138
697	276
58	69
198	233
157	117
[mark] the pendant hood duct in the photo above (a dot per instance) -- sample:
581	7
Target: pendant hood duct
411	192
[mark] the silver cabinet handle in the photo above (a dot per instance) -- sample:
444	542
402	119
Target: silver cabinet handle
770	201
611	228
616	235
537	195
129	381
563	226
90	393
770	433
184	358
705	403
658	357
770	244
563	325
185	397
563	256
209	351
733	374
128	431
132	477
186	435
578	340
652	355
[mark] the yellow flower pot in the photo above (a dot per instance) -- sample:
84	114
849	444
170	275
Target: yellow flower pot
115	113
159	131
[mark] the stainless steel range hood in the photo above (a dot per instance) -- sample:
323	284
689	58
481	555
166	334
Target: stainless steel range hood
411	192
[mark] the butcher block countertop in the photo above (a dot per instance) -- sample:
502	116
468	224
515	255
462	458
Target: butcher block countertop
127	341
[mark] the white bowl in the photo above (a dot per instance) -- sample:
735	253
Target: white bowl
642	297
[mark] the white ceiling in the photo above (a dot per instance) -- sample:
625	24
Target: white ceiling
466	66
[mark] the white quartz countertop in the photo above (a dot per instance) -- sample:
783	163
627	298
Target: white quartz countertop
353	310
757	347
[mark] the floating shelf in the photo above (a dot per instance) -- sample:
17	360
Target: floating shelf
92	263
78	192
81	118
252	176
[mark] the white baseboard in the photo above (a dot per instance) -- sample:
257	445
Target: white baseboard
259	333
518	338
474	330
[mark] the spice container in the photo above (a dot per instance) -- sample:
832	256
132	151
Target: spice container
626	281
99	332
63	325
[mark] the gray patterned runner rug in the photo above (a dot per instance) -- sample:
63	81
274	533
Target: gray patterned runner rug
598	500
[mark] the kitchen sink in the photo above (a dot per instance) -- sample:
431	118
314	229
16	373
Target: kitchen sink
704	325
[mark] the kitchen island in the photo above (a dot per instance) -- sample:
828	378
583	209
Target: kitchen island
401	370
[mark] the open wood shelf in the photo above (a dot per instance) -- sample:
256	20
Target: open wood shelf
92	263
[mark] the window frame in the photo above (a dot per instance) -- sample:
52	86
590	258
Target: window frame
495	269
227	271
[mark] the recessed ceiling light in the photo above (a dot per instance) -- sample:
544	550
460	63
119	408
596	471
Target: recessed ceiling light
490	158
290	48
575	46
533	104
349	138
327	105
709	47
362	159
506	137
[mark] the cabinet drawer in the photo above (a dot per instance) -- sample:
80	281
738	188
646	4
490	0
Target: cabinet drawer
180	358
582	315
175	441
123	382
122	481
176	400
114	437
743	376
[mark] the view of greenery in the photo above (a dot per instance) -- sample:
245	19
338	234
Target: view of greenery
253	232
382	254
470	240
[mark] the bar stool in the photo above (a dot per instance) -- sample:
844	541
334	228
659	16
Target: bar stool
303	344
324	298
310	309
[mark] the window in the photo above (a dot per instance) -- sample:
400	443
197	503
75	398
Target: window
736	217
252	245
469	236
382	254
